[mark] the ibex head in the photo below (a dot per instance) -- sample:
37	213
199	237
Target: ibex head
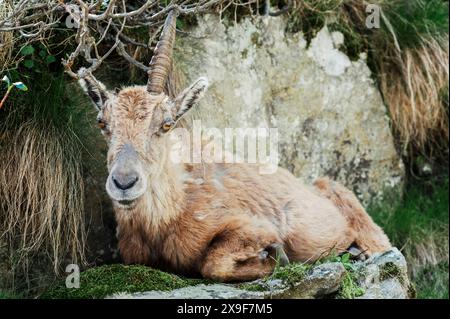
135	119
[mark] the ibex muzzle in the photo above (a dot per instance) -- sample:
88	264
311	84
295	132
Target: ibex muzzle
126	181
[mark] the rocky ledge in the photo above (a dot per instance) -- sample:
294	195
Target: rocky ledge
382	276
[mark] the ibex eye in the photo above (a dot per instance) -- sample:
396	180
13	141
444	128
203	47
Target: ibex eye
168	124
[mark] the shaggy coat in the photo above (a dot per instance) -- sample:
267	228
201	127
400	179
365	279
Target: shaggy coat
226	222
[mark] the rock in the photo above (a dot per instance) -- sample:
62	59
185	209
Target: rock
215	291
330	116
383	276
323	280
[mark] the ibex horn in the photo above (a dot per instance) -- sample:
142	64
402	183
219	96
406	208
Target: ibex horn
162	57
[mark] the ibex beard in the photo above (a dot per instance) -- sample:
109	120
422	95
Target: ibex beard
223	221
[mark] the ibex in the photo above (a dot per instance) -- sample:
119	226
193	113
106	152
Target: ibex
225	222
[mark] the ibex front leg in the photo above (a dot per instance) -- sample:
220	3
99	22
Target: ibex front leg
241	256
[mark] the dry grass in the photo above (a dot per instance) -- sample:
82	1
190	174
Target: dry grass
6	39
413	89
41	191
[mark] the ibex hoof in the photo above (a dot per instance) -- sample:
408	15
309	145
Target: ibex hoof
280	254
263	254
356	253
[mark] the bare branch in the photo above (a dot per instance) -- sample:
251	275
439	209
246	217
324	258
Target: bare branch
121	50
98	27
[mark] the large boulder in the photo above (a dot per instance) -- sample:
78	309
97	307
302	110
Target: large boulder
330	115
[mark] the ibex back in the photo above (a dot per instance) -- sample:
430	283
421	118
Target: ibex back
224	221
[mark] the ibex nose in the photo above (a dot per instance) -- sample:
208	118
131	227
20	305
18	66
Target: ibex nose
125	181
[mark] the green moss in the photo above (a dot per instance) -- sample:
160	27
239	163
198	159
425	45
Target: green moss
349	287
289	274
244	53
296	272
390	270
256	39
4	294
99	282
412	292
253	287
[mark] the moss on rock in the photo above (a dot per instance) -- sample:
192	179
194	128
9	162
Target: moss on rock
289	275
102	281
349	287
390	270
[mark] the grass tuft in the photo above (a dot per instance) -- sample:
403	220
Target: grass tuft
41	183
419	228
432	281
4	294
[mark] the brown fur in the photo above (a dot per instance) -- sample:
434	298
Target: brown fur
218	219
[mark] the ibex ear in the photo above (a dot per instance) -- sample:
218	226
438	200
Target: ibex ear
94	88
190	96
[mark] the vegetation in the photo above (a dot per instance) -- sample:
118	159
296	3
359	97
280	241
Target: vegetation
296	272
291	273
349	287
41	182
106	280
8	295
431	281
390	270
419	227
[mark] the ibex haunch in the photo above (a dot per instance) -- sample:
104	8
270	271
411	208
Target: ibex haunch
223	221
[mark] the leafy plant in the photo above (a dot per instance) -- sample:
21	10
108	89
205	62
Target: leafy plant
18	85
36	58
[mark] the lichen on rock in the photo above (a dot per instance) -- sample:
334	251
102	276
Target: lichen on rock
330	116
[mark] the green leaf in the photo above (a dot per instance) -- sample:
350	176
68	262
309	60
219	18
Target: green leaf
20	86
42	53
28	63
180	24
345	258
27	50
50	59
